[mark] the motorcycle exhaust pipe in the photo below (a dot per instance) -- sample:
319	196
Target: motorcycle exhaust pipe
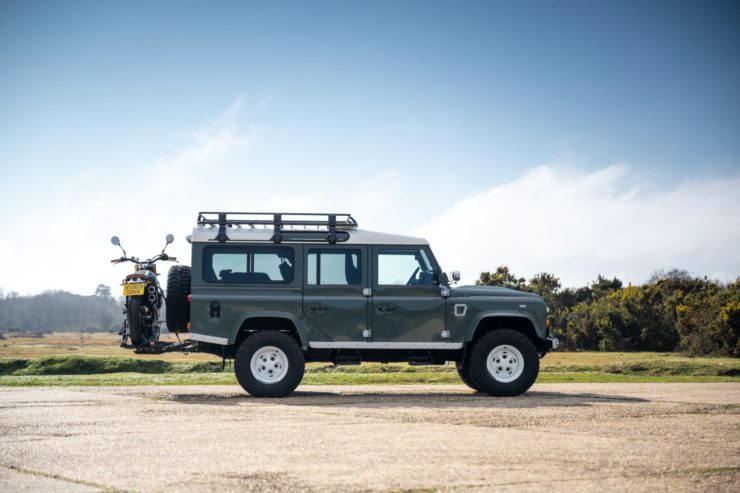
151	289
152	298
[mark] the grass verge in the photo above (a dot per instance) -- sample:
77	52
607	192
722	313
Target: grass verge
565	367
93	365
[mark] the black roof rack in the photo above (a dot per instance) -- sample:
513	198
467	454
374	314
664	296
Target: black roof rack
324	227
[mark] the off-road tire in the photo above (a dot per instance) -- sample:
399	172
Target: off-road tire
178	306
463	370
136	329
260	341
500	340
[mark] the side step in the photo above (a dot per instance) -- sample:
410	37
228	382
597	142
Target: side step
419	359
352	358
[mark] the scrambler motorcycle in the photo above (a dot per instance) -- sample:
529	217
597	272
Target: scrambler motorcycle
144	298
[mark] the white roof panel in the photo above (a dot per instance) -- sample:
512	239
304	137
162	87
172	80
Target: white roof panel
207	234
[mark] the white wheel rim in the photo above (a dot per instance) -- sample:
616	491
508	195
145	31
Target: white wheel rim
269	364
505	363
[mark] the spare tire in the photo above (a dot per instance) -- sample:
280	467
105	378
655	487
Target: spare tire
178	306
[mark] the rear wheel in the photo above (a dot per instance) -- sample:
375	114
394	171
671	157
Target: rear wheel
504	363
136	327
269	364
464	372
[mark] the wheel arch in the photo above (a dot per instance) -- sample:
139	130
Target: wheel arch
267	320
486	322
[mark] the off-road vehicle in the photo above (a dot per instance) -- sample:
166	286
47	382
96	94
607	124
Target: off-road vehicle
274	291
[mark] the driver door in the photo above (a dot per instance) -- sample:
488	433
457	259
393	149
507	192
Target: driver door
407	304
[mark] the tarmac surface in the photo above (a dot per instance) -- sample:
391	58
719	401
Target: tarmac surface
557	437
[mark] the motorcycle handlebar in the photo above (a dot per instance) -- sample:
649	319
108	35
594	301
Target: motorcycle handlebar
123	259
155	259
164	256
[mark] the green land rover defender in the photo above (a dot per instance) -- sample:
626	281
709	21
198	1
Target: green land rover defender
273	291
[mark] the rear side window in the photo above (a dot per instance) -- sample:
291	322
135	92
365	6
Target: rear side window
248	265
335	267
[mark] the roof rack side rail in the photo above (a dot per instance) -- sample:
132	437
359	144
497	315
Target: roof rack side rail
285	225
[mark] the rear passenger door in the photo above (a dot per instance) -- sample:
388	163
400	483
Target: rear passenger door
333	297
236	279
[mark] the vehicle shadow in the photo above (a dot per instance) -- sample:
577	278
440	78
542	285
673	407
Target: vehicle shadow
427	399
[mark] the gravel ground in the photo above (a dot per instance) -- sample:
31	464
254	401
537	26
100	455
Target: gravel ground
561	437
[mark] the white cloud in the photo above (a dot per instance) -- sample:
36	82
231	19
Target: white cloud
266	101
580	224
572	223
64	243
374	201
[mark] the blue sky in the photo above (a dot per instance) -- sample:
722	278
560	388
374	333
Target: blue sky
418	105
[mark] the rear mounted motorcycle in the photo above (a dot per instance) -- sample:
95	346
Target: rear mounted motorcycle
144	298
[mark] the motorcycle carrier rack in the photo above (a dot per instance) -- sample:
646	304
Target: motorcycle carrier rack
287	226
161	347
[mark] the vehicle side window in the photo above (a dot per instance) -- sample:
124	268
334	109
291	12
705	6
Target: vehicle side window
404	267
248	265
335	267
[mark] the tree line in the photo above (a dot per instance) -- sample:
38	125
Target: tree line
60	311
673	311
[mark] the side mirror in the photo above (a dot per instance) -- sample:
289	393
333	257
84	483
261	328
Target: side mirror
169	239
455	274
117	243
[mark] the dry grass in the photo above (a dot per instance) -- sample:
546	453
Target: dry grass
600	359
87	344
36	361
107	344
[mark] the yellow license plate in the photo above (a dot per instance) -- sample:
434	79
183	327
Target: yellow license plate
134	289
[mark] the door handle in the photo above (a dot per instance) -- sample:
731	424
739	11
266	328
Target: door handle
317	308
386	308
215	309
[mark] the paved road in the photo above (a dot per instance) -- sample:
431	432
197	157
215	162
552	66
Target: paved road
562	437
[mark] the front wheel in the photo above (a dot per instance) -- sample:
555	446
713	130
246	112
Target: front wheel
269	364
504	363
